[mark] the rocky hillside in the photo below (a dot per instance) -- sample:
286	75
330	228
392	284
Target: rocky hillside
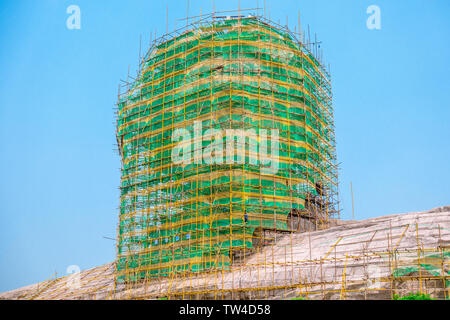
369	259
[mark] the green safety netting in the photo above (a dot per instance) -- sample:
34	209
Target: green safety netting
237	74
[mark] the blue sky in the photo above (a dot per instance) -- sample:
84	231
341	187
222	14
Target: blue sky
60	176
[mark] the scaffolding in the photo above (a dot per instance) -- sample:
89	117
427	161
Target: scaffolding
226	136
373	259
236	227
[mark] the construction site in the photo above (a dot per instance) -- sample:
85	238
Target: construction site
210	210
372	259
229	186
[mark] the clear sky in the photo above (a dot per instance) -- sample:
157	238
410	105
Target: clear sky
60	176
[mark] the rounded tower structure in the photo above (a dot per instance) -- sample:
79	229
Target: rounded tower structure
226	137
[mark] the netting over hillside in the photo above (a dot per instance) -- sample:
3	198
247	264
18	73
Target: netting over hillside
226	132
373	259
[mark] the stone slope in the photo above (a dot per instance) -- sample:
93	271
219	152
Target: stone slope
369	259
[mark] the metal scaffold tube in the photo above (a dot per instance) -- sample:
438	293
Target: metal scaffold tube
219	75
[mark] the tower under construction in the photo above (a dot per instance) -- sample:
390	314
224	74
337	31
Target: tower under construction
226	138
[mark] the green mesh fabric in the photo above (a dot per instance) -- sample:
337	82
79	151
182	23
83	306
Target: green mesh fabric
240	74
